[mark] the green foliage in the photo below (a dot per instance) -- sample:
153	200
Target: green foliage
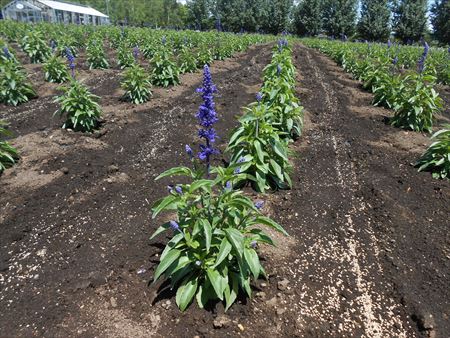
437	157
204	57
374	22
35	46
96	56
415	103
212	255
55	70
136	84
278	90
79	106
410	20
14	87
187	61
440	19
339	17
308	17
261	140
396	85
262	149
8	154
125	56
164	72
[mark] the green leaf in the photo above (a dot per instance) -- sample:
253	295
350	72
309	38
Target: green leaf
259	151
236	239
186	292
177	171
217	282
163	203
208	233
252	261
224	250
169	258
161	229
269	222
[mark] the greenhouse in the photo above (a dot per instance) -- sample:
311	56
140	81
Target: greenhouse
53	11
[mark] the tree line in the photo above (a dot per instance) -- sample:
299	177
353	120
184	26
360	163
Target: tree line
372	20
406	19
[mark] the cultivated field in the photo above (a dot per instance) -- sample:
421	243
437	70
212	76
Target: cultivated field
368	251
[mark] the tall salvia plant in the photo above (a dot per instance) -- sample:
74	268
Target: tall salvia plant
212	253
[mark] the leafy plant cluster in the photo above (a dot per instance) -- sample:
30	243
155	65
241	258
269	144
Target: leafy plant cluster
96	56
213	252
35	46
14	86
136	83
55	70
79	106
437	157
8	154
268	126
401	78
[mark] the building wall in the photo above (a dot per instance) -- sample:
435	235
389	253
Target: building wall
39	12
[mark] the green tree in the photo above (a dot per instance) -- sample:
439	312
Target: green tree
440	19
374	22
199	14
339	17
308	17
277	19
410	19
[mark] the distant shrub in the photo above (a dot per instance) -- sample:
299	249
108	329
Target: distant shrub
55	70
136	84
14	87
164	71
36	47
79	106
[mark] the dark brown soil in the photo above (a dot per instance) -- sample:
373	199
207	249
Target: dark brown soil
369	252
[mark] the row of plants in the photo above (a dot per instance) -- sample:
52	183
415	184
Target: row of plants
268	126
402	78
213	251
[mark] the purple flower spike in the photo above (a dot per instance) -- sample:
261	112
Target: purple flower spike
389	44
228	185
395	60
53	45
71	60
7	53
207	117
259	205
136	52
421	63
253	244
174	225
179	190
259	97
278	70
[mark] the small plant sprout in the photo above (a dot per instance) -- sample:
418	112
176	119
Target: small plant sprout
212	254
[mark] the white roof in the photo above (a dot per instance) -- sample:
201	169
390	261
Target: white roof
62	6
